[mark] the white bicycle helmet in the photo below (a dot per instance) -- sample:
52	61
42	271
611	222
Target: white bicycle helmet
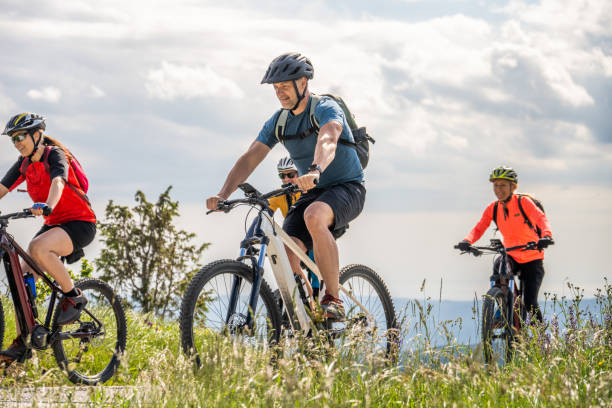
286	164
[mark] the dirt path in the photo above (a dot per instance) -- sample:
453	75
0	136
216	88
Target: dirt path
70	396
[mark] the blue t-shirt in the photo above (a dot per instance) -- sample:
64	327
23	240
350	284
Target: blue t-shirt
344	168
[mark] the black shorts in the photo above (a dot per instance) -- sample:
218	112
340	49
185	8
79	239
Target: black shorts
346	201
81	233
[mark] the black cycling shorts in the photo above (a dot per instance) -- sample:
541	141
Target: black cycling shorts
81	233
346	201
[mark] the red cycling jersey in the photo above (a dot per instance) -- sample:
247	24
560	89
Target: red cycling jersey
70	207
513	227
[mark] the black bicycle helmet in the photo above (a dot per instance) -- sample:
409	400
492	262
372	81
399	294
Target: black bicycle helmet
288	67
24	121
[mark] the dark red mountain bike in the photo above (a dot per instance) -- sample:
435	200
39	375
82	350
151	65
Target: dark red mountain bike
89	349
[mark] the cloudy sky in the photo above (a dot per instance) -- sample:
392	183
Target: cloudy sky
155	93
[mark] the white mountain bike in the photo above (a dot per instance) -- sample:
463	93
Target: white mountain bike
232	297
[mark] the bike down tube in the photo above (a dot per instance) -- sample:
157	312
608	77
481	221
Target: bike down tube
286	239
23	311
283	273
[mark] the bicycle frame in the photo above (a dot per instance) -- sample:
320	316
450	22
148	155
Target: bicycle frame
10	252
25	312
273	240
504	277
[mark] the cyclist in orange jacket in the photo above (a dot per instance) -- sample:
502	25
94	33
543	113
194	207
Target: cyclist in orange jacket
516	230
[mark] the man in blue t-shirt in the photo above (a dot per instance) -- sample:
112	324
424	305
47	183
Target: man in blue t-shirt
330	172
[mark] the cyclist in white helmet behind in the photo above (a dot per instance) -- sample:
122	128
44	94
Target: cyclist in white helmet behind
288	173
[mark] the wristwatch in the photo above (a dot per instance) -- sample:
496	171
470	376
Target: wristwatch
315	167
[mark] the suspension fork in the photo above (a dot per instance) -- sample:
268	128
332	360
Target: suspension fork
257	269
257	278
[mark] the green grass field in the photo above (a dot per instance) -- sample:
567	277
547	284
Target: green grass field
570	367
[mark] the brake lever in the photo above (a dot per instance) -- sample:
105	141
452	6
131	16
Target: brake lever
221	206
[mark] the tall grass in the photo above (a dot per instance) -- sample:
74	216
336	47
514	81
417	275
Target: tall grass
561	365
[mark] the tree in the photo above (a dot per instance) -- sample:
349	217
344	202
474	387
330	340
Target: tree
145	256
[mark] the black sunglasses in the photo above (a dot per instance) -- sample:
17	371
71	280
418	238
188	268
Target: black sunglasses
19	138
288	175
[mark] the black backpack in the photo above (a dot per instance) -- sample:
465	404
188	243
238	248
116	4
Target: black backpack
538	204
362	139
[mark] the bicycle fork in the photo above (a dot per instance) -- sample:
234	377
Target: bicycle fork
257	269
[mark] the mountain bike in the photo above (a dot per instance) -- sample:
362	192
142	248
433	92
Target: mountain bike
231	297
503	309
87	350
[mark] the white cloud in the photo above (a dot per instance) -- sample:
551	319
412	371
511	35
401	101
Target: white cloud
7	107
48	94
96	92
173	81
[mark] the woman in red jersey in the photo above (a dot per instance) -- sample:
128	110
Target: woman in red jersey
70	223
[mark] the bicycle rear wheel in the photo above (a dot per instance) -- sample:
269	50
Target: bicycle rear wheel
89	349
496	330
205	310
367	288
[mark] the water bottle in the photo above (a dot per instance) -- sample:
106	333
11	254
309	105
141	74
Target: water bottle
30	283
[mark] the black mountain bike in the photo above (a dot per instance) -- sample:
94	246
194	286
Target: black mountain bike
90	348
231	297
503	310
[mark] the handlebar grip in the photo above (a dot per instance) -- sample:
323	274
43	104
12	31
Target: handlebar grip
315	181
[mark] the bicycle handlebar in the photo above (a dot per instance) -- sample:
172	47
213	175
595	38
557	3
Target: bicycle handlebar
253	197
477	251
26	213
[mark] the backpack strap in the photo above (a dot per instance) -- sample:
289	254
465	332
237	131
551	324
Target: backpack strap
527	221
74	188
495	214
281	122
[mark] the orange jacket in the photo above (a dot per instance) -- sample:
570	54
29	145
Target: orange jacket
513	227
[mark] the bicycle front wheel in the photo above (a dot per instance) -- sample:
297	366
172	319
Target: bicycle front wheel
89	349
206	310
368	291
496	332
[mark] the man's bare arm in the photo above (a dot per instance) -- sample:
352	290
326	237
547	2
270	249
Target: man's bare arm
327	142
325	151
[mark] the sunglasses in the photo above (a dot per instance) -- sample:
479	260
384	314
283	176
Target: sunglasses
19	138
287	175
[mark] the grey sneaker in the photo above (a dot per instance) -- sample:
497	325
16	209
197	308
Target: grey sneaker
333	308
71	308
